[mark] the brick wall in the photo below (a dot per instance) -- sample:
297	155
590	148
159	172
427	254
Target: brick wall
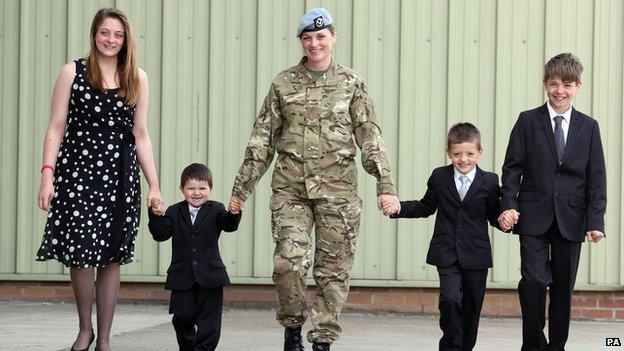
599	305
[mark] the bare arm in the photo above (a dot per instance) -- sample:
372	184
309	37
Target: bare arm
144	144
59	105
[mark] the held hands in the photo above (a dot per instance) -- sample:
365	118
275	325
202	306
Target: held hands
158	209
508	219
388	204
594	236
155	202
237	205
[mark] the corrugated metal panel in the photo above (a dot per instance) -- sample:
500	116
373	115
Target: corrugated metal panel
603	97
9	81
232	95
376	57
422	120
42	51
428	64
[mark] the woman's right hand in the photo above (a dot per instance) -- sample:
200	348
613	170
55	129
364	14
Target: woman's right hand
46	190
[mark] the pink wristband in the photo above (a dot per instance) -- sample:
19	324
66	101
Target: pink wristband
47	166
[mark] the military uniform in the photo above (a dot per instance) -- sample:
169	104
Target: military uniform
314	125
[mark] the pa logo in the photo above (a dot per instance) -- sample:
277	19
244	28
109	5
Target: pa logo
613	342
318	22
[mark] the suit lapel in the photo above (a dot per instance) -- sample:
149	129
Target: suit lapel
548	131
476	184
449	177
184	213
575	127
203	212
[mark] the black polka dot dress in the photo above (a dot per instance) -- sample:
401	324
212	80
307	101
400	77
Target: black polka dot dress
94	216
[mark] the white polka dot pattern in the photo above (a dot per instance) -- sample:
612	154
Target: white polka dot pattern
93	220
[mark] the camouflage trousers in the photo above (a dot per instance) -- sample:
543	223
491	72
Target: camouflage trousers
336	223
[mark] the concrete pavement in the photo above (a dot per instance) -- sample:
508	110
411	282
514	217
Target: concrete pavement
30	326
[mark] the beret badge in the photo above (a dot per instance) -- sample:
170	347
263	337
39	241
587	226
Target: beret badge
318	22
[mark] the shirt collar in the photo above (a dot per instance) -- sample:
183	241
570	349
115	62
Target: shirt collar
566	115
471	175
190	207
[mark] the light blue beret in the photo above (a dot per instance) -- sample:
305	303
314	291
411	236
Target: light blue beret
316	19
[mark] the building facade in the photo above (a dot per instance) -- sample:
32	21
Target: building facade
428	64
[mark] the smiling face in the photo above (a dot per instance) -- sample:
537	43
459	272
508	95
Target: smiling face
560	93
317	47
196	192
464	156
109	37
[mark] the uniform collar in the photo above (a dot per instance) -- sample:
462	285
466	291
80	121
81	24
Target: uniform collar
327	78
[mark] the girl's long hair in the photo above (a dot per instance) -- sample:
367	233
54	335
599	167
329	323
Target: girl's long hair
127	68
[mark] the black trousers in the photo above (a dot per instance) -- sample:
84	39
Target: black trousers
197	317
461	298
547	260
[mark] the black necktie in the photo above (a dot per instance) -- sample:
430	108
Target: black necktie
559	140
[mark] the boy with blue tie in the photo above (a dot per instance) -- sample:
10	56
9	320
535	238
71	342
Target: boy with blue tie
465	198
554	190
197	274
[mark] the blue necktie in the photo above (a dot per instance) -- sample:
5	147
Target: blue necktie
463	189
559	139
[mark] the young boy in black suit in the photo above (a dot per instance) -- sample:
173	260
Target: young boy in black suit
197	274
554	189
466	198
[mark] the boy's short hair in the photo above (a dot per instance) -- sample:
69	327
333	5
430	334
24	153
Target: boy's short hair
565	66
461	133
196	171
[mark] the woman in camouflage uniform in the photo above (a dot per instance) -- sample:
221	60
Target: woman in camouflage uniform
313	116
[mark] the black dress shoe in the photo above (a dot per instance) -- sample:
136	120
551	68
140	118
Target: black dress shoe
90	342
320	346
293	340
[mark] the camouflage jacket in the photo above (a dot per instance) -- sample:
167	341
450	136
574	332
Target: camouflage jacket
310	123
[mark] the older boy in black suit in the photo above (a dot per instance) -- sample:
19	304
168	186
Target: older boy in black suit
197	274
466	198
554	180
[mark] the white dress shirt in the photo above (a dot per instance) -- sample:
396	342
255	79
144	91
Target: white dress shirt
470	175
565	124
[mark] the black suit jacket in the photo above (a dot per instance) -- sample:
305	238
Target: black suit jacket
195	253
534	184
461	228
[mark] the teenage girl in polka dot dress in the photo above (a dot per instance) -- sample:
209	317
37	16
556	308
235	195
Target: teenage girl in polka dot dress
96	139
